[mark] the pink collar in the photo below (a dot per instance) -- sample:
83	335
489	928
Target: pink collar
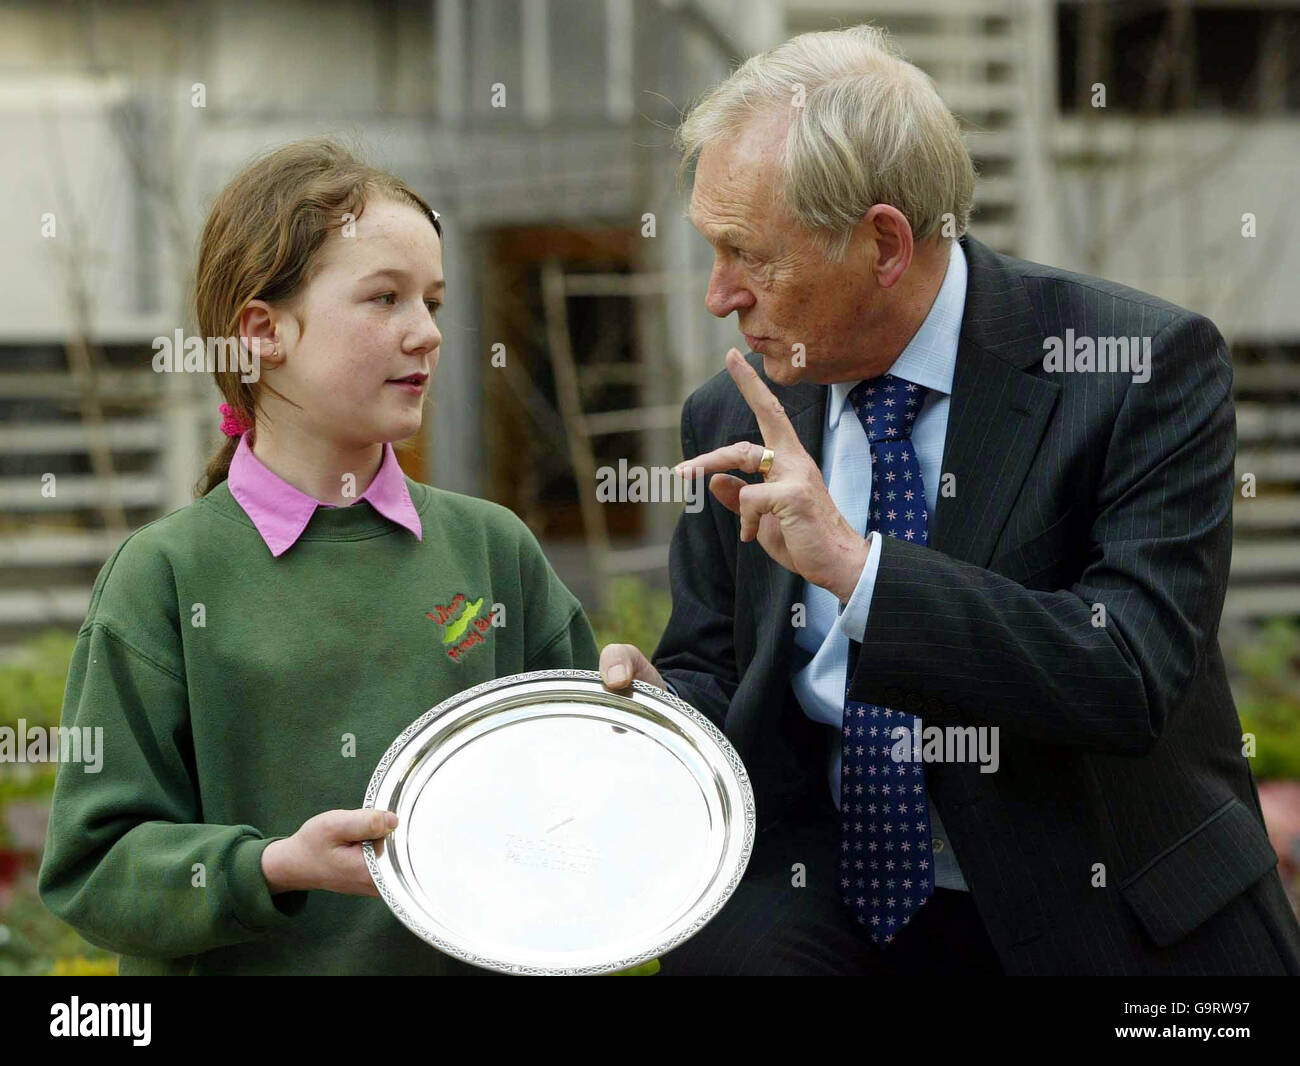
281	512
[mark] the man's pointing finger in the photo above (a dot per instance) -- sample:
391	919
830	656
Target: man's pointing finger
772	421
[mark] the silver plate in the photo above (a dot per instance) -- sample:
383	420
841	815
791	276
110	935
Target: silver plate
550	826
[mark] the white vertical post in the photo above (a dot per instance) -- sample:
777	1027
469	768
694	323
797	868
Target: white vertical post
451	45
536	62
618	60
189	413
452	420
756	25
1039	209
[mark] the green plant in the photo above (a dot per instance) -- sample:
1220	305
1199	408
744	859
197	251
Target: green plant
32	681
1267	692
31	781
33	942
24	784
637	614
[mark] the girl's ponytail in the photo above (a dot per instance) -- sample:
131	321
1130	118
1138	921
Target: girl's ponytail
218	468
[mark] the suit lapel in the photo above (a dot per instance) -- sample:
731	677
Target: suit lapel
998	412
995	422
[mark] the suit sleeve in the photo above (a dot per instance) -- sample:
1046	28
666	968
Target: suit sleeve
697	651
129	862
960	644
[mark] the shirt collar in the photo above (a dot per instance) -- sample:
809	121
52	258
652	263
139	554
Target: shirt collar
930	357
281	512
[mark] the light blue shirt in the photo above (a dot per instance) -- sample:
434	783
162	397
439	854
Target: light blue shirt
929	359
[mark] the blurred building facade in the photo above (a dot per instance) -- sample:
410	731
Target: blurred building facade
564	231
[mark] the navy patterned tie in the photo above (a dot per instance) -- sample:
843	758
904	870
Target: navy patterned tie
885	870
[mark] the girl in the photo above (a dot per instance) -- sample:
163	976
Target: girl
251	656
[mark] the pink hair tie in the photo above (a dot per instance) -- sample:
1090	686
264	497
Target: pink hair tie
233	423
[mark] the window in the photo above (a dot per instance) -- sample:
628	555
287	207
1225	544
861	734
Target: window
1158	58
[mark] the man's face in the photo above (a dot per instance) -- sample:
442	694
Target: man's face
769	271
368	316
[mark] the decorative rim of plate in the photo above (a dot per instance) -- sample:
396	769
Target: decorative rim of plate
658	695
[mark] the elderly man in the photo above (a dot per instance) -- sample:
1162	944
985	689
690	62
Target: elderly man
958	612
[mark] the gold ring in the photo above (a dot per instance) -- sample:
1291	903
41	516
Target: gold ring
765	464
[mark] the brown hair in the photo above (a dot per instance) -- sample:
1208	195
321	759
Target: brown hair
262	241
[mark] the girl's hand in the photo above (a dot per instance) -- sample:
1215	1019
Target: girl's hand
326	853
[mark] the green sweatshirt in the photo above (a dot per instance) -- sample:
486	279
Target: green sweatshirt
241	694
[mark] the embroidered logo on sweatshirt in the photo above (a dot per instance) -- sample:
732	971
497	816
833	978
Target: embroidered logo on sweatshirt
459	618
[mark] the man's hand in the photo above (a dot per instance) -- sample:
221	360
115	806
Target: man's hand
791	513
621	664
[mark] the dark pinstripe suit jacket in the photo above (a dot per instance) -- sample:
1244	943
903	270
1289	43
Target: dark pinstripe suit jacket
1120	745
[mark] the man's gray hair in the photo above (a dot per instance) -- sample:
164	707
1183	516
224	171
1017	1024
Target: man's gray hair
872	129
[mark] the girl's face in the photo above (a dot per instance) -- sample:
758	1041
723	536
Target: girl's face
367	320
